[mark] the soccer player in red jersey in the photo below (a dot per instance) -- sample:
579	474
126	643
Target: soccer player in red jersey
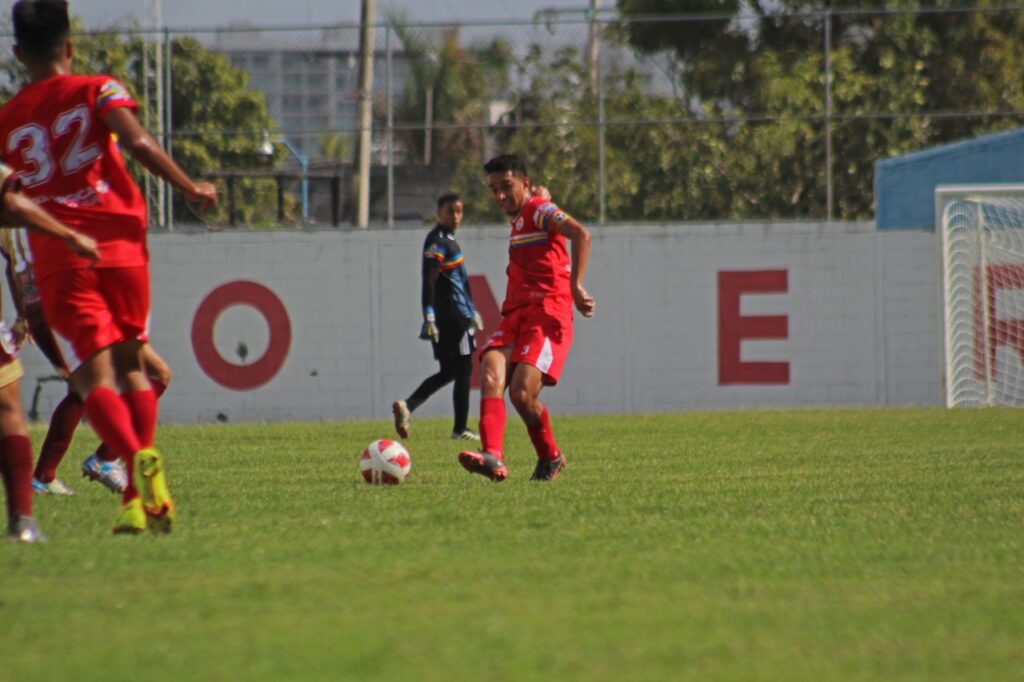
61	132
15	446
529	348
103	465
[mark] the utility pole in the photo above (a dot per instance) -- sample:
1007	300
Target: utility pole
362	216
593	45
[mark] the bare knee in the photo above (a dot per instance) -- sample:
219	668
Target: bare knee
523	400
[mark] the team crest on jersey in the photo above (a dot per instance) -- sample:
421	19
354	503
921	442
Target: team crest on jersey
518	224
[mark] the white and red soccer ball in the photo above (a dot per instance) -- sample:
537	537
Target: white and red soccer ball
385	462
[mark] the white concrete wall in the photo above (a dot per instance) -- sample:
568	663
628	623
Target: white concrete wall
861	306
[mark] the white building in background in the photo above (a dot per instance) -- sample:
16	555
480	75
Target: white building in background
310	79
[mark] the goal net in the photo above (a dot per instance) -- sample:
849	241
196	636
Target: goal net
982	232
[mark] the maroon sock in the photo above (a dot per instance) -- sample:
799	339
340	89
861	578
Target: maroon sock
16	470
105	454
142	405
492	425
543	438
63	423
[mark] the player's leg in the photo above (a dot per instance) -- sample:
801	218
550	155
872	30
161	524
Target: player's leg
65	418
543	346
147	473
463	370
16	457
524	392
157	370
104	465
490	462
402	409
63	423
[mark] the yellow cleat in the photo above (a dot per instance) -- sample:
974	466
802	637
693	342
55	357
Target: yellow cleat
131	520
149	480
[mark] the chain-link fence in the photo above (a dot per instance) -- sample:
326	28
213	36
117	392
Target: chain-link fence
643	118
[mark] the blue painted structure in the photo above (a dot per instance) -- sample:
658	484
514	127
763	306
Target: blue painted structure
905	185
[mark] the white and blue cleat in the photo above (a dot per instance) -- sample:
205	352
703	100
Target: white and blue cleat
111	474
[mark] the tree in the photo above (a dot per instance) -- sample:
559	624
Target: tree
891	74
217	122
455	83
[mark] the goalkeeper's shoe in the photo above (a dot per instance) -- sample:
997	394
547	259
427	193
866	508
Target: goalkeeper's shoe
110	474
485	464
54	487
131	520
23	529
148	477
402	417
548	469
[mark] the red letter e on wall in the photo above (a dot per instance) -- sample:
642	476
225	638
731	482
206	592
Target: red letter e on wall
733	328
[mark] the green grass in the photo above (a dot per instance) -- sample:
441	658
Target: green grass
877	544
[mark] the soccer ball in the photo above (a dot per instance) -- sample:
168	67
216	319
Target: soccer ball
385	462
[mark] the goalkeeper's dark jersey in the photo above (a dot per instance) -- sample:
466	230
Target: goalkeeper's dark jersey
445	284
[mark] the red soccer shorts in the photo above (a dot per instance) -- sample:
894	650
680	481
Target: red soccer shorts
93	308
540	333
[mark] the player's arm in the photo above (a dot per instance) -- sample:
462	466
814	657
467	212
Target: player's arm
431	273
13	281
18	209
579	240
137	141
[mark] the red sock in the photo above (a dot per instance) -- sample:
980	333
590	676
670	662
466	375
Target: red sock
492	425
543	438
142	405
16	470
63	423
112	421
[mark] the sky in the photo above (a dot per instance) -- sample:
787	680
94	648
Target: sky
99	14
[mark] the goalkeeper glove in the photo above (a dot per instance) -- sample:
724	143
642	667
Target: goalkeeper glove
428	332
478	322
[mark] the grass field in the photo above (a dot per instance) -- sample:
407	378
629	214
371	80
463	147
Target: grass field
877	544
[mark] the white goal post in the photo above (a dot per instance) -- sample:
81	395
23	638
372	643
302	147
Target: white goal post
981	229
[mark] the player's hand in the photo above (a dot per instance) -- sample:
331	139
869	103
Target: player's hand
203	193
584	302
83	245
428	332
541	191
478	322
19	330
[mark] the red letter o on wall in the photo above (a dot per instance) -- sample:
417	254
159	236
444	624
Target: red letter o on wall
228	374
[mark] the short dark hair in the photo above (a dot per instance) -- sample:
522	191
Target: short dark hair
449	198
41	27
506	163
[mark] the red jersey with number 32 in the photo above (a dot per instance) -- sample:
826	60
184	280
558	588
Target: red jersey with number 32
538	262
53	133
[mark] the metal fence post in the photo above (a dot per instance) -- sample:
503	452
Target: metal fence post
391	130
601	186
828	115
169	121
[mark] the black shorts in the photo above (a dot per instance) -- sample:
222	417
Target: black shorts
454	343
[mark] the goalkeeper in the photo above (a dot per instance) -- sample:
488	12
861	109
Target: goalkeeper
450	321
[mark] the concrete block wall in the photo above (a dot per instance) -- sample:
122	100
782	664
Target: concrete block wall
852	317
